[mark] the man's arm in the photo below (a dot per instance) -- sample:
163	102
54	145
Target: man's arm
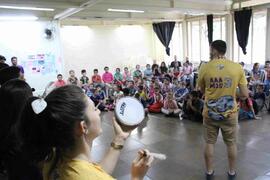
243	85
243	91
200	81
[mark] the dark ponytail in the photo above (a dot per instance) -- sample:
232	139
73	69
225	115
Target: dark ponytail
53	128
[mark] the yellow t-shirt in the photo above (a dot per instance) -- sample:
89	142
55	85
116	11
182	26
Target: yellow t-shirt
143	96
78	169
220	77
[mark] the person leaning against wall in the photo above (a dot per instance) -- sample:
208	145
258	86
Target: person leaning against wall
218	80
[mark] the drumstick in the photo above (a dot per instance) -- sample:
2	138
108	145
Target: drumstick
156	155
97	105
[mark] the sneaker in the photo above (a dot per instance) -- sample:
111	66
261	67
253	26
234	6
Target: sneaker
209	176
231	177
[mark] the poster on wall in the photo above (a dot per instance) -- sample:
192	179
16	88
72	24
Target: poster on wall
40	64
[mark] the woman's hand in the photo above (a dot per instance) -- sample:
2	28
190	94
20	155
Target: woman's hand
120	135
141	164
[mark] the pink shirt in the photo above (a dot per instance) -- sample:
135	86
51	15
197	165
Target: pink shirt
107	77
187	70
126	76
170	104
59	83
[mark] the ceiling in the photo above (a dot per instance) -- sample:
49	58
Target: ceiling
97	10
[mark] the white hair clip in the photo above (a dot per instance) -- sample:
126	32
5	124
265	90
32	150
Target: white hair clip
39	105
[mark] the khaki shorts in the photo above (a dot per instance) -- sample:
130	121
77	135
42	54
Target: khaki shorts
228	128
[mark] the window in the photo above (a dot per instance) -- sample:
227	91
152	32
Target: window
259	37
256	41
204	41
176	44
195	44
198	44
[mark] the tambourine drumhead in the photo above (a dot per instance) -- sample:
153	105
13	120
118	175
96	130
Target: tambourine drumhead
129	111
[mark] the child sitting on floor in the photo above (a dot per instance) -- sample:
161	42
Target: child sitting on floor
118	93
193	107
137	96
170	107
98	100
72	78
131	87
143	93
166	86
84	79
259	96
181	92
156	102
246	110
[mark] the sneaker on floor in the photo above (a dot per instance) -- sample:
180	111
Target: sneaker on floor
231	177
209	176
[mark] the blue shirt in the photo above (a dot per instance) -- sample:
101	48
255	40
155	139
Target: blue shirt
148	73
181	91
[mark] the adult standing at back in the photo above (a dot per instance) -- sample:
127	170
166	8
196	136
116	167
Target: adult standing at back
175	63
14	62
219	80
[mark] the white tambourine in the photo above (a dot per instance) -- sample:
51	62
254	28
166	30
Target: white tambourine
129	111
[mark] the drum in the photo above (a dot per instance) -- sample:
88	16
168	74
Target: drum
129	113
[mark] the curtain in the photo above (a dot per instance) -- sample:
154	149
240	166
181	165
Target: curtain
210	28
242	22
164	33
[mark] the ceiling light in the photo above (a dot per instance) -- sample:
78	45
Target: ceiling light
18	18
126	10
26	8
68	12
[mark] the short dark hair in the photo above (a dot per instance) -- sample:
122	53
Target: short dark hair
14	57
83	71
140	87
126	91
194	94
106	67
2	58
95	70
9	73
58	75
220	46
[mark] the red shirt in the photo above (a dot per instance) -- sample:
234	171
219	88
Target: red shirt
59	83
96	79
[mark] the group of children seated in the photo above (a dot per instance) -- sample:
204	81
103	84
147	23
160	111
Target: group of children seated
160	90
258	84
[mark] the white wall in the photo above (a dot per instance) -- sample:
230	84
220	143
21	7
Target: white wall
26	40
109	45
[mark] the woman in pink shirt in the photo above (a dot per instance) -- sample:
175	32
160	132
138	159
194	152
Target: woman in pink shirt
60	82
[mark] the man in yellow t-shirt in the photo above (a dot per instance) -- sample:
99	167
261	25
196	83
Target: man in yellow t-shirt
219	79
